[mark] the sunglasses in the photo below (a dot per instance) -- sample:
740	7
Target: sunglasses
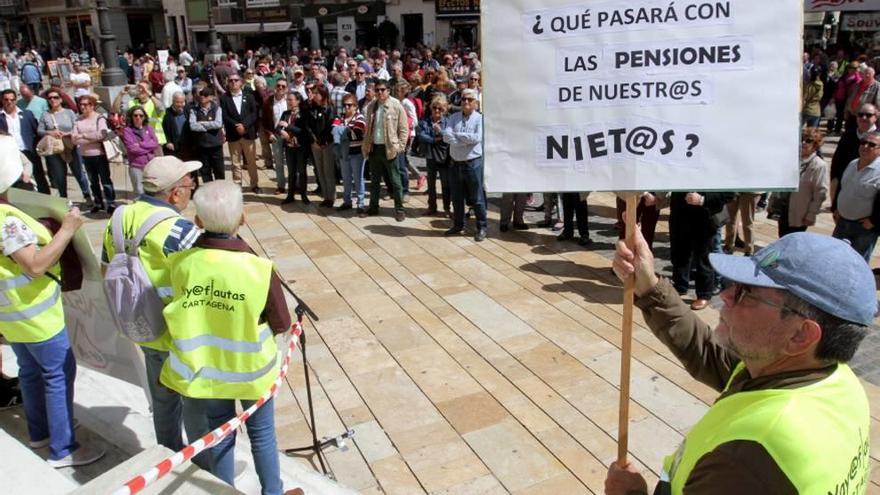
382	90
742	292
281	86
807	141
348	105
866	115
235	80
56	97
361	73
869	144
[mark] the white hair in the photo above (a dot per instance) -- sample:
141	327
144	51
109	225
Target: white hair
219	206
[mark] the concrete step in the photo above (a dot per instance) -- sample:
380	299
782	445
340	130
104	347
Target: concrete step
23	471
187	479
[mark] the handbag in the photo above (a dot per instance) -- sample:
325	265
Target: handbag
113	147
48	144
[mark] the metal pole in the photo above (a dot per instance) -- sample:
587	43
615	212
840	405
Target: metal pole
112	75
213	42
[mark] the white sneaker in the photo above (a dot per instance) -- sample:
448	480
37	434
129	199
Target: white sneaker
39	444
79	457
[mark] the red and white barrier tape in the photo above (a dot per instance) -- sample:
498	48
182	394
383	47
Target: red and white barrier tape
140	482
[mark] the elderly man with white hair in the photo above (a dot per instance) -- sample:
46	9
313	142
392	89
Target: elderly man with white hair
226	307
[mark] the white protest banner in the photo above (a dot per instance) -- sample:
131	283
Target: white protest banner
163	59
641	95
841	5
96	342
864	21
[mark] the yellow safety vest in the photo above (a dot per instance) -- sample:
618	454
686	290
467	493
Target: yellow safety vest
152	254
30	308
155	117
219	350
817	434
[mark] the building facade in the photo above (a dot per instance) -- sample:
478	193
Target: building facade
60	24
243	24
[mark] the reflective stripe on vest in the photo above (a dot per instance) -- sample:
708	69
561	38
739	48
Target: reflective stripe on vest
216	374
30	307
191	344
818	434
15	282
32	311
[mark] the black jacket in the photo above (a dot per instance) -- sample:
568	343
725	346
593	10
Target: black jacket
181	140
319	123
698	217
296	127
248	116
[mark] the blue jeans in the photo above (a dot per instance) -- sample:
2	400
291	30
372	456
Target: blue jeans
403	169
46	373
261	431
466	180
353	178
169	409
76	169
279	159
861	239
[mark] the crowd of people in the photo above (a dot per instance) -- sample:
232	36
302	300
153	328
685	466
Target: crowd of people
356	120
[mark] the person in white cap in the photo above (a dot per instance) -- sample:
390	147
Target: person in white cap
168	188
792	417
32	319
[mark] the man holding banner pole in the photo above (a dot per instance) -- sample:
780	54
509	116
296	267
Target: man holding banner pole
792	417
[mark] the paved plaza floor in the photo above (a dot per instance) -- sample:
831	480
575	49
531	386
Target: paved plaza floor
469	367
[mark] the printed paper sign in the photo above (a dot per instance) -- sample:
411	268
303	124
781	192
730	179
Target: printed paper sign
641	95
825	5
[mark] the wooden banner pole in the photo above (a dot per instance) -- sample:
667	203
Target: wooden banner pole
632	201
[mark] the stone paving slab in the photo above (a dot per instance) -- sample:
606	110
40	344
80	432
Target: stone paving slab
470	367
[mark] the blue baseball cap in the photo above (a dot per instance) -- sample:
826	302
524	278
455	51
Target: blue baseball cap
820	270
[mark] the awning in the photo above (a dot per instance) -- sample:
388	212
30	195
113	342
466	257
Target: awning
271	27
250	27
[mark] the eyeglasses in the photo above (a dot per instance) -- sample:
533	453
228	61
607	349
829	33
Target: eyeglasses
866	115
742	292
281	86
869	144
86	104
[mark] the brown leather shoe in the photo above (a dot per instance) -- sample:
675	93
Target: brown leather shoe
699	304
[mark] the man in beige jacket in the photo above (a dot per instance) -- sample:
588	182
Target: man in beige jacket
385	138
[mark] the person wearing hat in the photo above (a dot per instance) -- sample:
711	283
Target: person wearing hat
32	319
227	306
792	416
167	188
